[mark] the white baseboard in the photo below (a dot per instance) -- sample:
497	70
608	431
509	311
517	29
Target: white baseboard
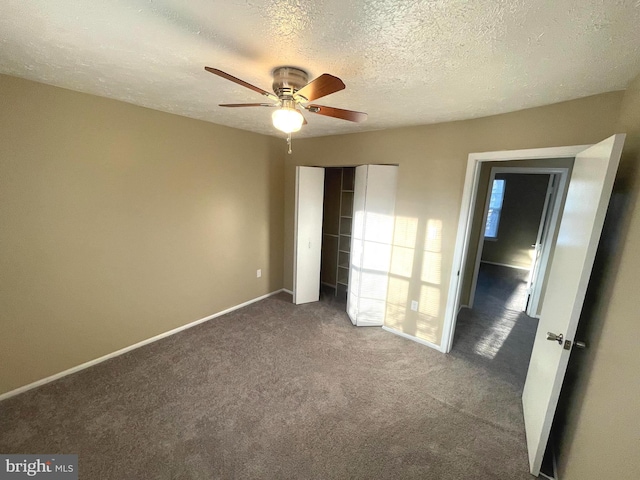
505	265
415	339
286	291
122	351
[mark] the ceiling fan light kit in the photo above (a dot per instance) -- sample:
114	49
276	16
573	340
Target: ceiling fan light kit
293	91
287	119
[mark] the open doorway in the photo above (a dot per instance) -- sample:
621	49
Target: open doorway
583	210
516	219
516	225
497	326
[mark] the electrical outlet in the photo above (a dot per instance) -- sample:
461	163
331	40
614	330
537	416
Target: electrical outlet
414	305
259	273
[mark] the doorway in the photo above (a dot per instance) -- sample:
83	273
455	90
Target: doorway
497	326
585	205
514	224
515	220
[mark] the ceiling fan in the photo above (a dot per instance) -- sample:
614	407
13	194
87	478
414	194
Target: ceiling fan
292	92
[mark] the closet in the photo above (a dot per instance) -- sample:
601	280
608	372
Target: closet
344	221
336	229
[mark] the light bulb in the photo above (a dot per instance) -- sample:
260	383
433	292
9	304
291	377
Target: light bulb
287	119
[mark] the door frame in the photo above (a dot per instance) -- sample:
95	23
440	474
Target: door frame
547	230
468	206
555	203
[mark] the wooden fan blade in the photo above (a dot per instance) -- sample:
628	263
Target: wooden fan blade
338	113
247	105
222	74
322	86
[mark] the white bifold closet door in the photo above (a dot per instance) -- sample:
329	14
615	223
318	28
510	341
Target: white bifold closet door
371	242
308	234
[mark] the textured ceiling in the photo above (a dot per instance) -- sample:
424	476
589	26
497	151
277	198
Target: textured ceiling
405	62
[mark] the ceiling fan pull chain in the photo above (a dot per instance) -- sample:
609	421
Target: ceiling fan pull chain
289	143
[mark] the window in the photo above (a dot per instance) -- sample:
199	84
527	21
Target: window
495	208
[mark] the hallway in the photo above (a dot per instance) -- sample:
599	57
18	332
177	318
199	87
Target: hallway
496	333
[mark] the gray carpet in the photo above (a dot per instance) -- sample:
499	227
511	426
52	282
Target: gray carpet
496	333
276	390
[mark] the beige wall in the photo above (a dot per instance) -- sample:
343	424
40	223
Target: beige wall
432	161
601	397
118	223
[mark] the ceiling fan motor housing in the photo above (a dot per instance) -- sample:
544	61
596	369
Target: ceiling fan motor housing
288	80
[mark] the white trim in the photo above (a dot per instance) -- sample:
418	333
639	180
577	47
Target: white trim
411	337
530	170
505	265
469	195
290	292
528	154
117	353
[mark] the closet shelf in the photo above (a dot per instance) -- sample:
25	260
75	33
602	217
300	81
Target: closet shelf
338	218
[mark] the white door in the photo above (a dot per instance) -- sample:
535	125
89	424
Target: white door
308	234
585	208
371	242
